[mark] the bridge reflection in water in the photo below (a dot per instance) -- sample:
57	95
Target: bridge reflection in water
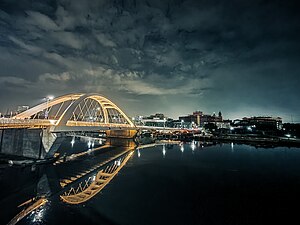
78	178
91	186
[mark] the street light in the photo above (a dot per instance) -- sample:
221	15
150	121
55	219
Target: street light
181	123
48	98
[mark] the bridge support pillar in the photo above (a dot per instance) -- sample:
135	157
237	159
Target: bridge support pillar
121	133
48	139
21	142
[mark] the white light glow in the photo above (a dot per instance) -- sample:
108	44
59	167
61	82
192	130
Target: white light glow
182	148
193	146
73	141
164	150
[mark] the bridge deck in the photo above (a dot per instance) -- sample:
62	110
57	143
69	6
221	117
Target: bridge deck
6	123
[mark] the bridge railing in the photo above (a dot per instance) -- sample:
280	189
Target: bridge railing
95	124
11	122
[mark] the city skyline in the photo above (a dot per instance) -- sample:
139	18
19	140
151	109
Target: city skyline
174	57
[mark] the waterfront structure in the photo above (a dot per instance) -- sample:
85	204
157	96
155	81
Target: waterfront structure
36	132
225	124
72	112
200	119
156	120
260	122
265	125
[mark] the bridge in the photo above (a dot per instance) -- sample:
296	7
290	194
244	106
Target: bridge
38	131
72	112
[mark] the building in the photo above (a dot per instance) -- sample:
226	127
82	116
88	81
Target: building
156	120
265	125
200	119
225	124
261	122
158	116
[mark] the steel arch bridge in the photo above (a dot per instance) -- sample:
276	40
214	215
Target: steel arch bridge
73	112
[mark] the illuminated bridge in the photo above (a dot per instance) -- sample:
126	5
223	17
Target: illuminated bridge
73	112
41	128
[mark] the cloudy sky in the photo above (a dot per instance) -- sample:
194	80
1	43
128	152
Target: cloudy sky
148	56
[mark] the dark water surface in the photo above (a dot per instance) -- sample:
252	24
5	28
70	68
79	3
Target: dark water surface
165	184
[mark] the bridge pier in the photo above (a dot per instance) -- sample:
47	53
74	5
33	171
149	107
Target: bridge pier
121	133
21	142
37	143
42	143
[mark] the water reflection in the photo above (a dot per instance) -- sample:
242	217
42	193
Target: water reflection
37	215
74	178
138	153
94	183
182	147
193	145
85	169
164	150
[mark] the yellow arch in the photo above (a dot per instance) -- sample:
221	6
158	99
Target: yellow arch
77	99
28	113
104	102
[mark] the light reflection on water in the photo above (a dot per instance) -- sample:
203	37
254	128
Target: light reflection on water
185	180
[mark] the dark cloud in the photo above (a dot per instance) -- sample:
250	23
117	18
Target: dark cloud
176	56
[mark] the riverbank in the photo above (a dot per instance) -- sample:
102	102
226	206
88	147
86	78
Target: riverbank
251	139
23	161
247	139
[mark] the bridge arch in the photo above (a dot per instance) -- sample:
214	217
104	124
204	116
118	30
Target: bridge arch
104	103
73	108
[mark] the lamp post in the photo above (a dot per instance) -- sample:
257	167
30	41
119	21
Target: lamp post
48	98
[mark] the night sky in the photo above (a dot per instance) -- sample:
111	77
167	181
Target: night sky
173	57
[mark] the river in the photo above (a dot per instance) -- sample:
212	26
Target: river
186	183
